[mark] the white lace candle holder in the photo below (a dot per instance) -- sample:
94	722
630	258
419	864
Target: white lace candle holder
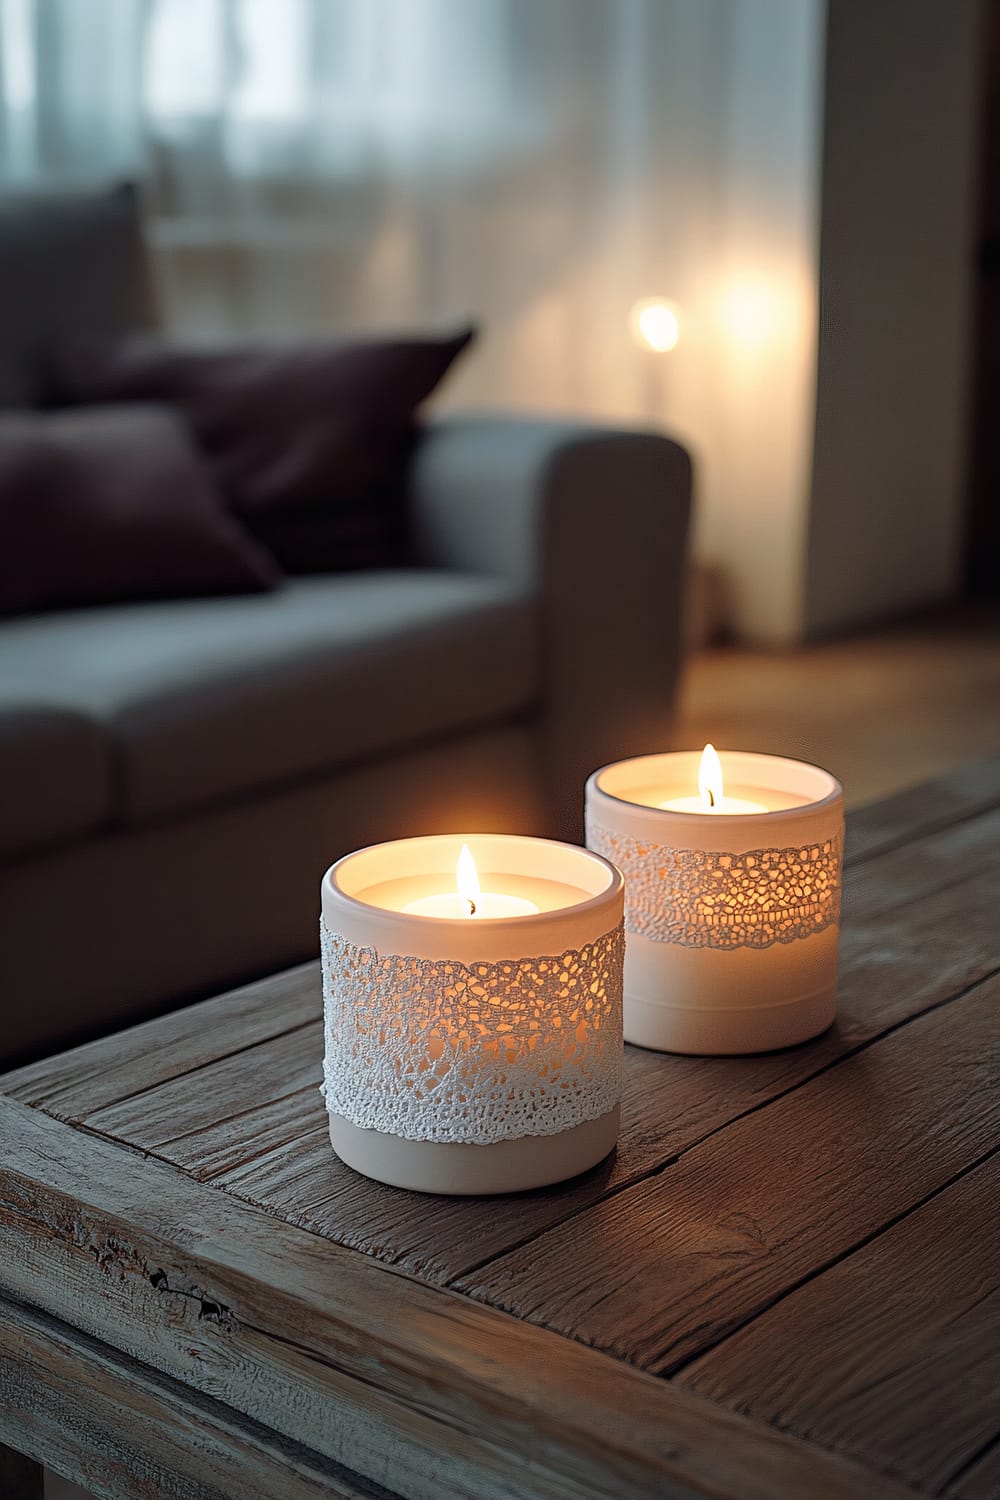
731	917
472	1053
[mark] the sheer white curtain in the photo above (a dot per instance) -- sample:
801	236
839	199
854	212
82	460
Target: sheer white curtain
538	165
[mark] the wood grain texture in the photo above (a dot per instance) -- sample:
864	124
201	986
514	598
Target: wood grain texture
381	1374
894	965
225	1092
76	1084
93	1076
893	1355
750	1198
704	1246
119	1429
892	822
254	1120
21	1478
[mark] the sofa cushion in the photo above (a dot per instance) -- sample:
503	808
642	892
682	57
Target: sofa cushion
212	699
72	264
55	770
111	503
308	441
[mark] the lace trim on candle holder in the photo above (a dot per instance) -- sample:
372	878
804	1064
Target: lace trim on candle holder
433	1050
701	899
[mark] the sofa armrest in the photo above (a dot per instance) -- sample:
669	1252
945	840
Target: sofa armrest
592	522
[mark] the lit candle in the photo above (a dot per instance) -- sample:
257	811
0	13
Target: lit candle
711	792
731	921
466	1055
468	900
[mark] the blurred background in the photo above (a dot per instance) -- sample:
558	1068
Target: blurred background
806	192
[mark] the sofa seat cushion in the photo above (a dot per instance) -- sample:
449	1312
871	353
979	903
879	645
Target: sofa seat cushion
211	699
55	770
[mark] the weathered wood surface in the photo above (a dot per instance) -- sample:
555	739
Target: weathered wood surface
116	1067
20	1478
953	798
743	1195
765	1204
120	1429
232	1120
94	1075
913	1316
411	1385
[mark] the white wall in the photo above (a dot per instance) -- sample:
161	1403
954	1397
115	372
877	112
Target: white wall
754	512
897	224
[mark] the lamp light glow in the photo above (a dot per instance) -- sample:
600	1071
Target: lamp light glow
750	313
655	324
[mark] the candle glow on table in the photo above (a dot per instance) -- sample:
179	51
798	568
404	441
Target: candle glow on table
468	900
732	899
711	796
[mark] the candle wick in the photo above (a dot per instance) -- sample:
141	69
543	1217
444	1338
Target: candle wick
472	906
710	795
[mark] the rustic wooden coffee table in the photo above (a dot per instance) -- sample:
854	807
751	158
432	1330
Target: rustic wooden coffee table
785	1284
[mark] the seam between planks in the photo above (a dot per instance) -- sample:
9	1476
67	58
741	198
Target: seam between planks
450	1283
238	1114
971	1463
672	1372
929	830
926	830
967	876
824	1461
150	1088
753	1109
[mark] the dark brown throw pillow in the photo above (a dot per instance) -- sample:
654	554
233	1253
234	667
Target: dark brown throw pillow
307	441
114	503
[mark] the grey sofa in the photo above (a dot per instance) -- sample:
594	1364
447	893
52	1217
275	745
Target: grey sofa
176	776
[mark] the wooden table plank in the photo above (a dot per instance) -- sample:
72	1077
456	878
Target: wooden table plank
364	1366
120	1429
224	1092
892	822
893	1355
891	971
258	1138
75	1084
740	1240
923	868
72	1084
898	958
768	1202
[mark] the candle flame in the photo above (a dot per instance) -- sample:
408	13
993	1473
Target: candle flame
710	777
468	879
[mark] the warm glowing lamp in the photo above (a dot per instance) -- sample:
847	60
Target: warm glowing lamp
750	313
655	325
